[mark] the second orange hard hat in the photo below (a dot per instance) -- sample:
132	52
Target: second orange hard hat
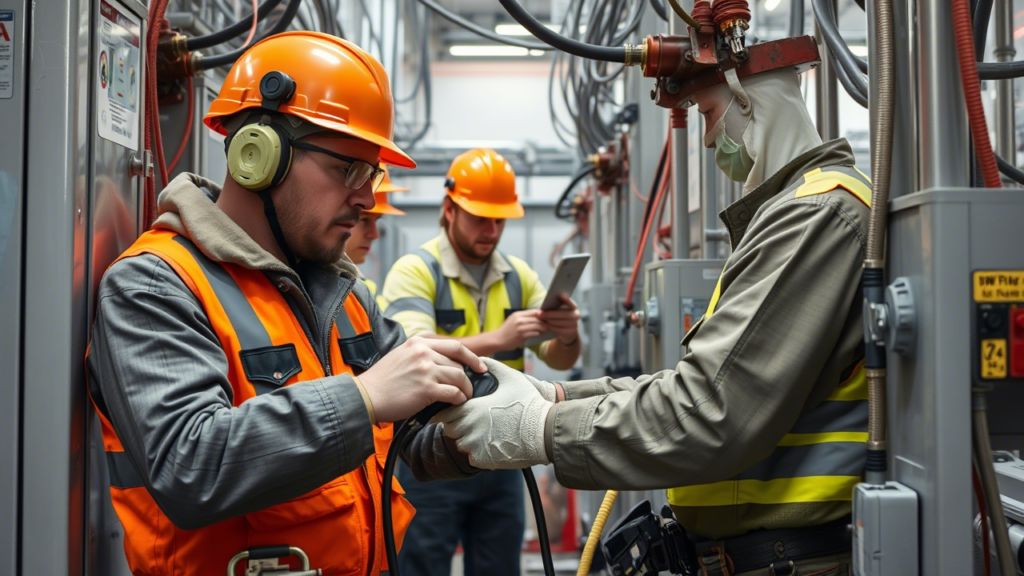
382	205
482	182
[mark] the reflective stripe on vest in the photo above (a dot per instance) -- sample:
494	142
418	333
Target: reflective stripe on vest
455	311
822	457
337	524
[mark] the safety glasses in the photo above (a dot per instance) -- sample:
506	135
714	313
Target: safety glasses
358	173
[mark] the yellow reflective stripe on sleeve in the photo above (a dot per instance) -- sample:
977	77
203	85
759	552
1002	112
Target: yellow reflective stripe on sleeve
855	388
818	182
822	437
781	491
716	294
866	177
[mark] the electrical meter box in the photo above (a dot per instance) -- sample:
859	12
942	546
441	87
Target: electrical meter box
676	295
959	254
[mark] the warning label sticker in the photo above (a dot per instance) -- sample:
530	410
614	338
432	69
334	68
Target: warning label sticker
999	286
993	358
6	54
118	73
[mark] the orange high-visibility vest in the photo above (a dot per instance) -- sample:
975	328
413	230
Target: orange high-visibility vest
339	525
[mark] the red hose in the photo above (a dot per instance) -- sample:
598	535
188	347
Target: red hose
188	127
963	31
663	186
152	130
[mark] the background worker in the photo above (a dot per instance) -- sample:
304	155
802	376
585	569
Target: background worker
460	286
365	231
245	378
759	431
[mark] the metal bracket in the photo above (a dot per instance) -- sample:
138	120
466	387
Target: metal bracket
653	316
141	164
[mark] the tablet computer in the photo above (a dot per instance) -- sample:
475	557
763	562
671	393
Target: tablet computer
566	277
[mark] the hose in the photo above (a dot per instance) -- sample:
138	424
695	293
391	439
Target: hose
462	22
659	9
982	16
1010	171
398	443
979	494
990	486
574	47
826	18
232	31
230	58
683	15
874	263
568	190
595	532
963	32
848	84
661	181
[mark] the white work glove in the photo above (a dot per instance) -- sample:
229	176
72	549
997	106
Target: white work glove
504	430
546	389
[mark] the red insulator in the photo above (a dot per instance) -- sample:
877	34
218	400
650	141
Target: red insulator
702	13
728	10
678	117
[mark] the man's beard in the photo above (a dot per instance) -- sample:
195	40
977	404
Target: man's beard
312	251
467	246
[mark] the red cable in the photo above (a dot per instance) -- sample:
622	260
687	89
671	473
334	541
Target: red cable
188	127
252	31
984	519
963	31
666	177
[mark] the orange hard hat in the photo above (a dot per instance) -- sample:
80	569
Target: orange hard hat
337	86
382	205
483	183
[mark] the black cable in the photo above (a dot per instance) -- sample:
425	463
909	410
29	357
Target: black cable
659	9
1000	70
982	16
519	14
851	87
480	31
568	190
232	31
542	525
1010	171
837	46
398	443
229	58
796	18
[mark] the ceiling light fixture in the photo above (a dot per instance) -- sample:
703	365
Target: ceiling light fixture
486	50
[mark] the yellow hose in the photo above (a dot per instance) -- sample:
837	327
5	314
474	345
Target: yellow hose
682	14
595	532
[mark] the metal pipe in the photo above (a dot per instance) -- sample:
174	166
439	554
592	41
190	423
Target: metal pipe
680	170
990	486
942	130
1004	51
826	91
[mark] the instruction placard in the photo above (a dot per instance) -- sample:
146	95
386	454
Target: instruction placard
6	54
999	286
118	74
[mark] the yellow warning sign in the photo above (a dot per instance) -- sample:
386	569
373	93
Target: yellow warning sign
993	358
999	286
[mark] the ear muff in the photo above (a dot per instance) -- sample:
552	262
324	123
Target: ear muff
259	156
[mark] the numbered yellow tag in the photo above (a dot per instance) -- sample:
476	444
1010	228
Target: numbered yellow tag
993	358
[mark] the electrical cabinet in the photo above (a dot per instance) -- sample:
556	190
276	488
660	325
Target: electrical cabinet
676	295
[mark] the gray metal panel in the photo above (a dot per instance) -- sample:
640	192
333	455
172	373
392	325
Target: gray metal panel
56	255
114	223
936	239
676	285
12	182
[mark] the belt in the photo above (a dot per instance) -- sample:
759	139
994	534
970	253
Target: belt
774	549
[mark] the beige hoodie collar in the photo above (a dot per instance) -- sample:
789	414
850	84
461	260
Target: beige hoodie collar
185	208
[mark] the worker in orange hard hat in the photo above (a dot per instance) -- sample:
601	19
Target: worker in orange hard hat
238	293
365	231
460	286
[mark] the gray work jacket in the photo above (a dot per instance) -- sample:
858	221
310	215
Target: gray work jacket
787	325
163	379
